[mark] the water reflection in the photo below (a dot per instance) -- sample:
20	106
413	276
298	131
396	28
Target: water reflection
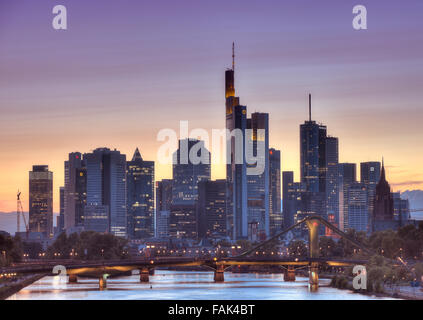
182	285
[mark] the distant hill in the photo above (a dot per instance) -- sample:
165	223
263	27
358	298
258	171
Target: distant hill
8	222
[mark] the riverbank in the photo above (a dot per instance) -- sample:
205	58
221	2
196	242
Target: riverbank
11	287
396	292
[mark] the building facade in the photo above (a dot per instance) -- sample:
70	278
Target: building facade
258	185
211	209
275	210
75	191
140	197
41	200
106	187
347	176
332	180
358	207
163	206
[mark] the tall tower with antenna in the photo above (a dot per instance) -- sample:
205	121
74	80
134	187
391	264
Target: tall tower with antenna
236	177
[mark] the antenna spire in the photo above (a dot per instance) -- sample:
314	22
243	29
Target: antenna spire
233	56
309	106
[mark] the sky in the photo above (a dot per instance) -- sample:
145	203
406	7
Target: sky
125	69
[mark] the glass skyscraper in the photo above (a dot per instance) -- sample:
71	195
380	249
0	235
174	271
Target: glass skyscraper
186	176
332	180
211	209
75	192
163	206
313	154
106	187
275	212
140	197
41	200
347	176
358	207
258	184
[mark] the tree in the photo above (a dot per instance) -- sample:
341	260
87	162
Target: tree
298	248
10	250
88	245
328	247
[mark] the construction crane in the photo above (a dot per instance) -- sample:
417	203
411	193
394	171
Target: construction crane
20	212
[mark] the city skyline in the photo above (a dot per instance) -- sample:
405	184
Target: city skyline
349	92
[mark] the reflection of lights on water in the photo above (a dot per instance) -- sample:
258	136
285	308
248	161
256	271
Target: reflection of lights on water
58	281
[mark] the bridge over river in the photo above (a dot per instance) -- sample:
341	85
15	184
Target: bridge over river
106	268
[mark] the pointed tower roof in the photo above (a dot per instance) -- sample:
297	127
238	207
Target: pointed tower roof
382	173
137	155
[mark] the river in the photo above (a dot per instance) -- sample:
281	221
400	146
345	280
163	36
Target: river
185	285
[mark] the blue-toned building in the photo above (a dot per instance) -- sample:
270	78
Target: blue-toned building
140	197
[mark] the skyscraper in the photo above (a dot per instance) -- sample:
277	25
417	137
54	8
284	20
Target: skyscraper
313	167
332	180
140	197
211	209
313	154
347	176
401	209
298	204
288	207
236	175
106	188
75	192
41	200
61	218
187	174
370	176
258	184
163	206
275	212
358	207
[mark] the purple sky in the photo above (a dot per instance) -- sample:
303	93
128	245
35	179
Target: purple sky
125	69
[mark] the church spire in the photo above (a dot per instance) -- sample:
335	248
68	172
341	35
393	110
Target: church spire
382	173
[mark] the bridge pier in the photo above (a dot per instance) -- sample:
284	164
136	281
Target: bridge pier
102	282
313	269
313	281
289	274
219	274
73	278
144	275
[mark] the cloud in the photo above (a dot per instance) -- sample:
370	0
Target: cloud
408	183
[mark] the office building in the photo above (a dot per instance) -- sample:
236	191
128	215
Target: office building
211	209
163	205
75	193
358	207
347	176
332	180
41	200
106	187
370	176
275	210
288	208
258	185
140	197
